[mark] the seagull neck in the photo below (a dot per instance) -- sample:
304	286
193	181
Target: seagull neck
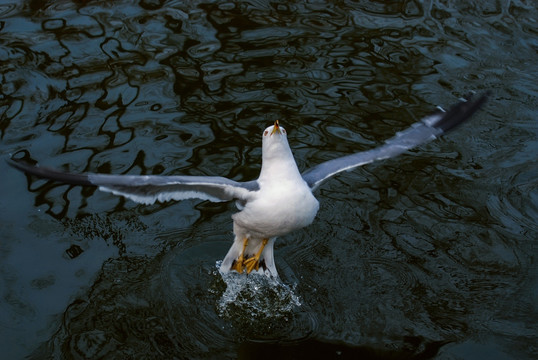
278	163
279	168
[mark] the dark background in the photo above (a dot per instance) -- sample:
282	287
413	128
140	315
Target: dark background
429	255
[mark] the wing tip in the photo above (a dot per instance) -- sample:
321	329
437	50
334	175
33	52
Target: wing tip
23	165
32	168
461	112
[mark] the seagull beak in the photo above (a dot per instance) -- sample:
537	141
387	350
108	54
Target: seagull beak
276	128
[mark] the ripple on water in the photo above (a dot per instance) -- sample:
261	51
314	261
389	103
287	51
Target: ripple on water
438	244
178	303
231	307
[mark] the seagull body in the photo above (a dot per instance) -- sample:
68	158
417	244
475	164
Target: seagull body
280	201
283	203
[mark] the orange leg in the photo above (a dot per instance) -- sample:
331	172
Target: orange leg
254	262
239	264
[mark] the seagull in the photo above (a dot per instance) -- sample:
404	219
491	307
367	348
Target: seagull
280	201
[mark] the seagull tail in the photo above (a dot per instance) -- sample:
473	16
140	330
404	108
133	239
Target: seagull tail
266	262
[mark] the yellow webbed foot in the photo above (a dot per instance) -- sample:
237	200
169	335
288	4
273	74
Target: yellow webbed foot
238	265
253	263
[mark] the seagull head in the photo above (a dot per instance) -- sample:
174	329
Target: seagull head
277	159
275	141
274	129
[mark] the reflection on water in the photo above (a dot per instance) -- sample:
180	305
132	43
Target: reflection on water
431	254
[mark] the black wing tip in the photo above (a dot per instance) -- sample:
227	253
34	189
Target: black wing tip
47	173
461	112
20	164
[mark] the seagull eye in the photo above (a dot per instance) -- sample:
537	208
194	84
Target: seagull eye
265	133
284	131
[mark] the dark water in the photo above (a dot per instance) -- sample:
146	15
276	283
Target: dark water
430	255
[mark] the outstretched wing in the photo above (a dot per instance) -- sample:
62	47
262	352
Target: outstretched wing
427	129
147	189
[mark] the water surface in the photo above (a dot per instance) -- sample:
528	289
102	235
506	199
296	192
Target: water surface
430	255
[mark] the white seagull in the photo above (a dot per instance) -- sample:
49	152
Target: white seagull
278	202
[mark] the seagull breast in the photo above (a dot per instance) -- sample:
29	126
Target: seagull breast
277	209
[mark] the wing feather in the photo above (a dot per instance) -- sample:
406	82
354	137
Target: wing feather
419	133
148	189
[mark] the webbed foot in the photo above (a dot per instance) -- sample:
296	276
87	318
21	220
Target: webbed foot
253	263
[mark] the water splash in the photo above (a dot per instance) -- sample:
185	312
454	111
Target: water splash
257	304
230	308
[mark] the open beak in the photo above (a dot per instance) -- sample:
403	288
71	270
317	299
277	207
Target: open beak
276	128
